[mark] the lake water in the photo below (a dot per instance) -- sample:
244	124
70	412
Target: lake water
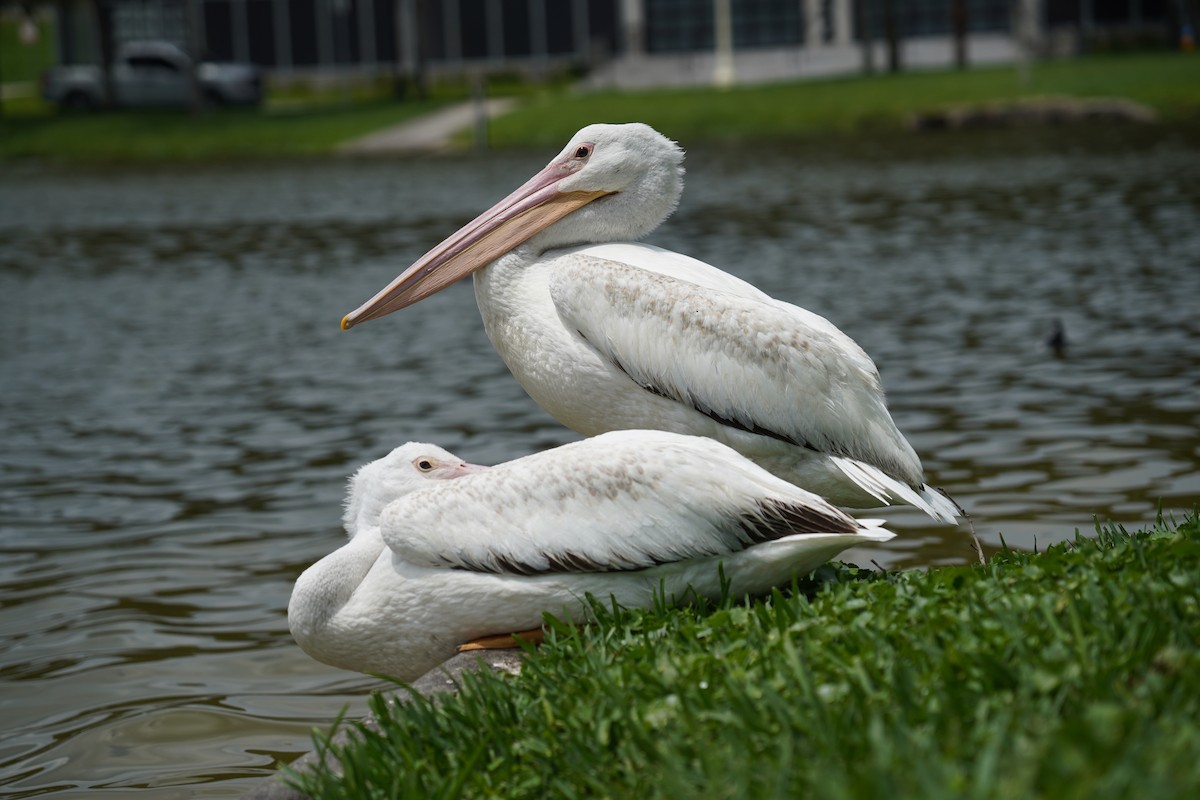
179	409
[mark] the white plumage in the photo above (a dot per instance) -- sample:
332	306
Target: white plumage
606	334
442	555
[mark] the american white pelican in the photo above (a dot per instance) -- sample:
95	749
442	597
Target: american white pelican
606	334
432	563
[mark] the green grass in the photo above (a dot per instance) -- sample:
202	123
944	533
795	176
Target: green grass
300	123
1168	82
220	133
295	121
20	62
1073	673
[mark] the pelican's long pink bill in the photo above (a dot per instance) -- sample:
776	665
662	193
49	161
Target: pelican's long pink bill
506	225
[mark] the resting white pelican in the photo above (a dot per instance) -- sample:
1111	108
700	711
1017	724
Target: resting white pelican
606	334
433	563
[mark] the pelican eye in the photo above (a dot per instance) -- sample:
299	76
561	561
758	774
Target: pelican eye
583	152
424	464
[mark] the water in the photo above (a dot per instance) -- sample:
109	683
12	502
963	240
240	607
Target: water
180	409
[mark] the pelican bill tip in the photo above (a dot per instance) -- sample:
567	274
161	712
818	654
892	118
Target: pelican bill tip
347	323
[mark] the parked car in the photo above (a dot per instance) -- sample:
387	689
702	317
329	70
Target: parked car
153	74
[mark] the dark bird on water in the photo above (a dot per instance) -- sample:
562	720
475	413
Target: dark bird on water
1057	340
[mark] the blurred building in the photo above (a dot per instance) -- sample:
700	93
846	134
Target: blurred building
613	38
338	35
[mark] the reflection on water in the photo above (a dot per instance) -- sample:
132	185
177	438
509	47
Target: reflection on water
179	408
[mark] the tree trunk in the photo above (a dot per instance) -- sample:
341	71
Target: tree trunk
104	24
410	55
866	35
958	23
195	50
891	30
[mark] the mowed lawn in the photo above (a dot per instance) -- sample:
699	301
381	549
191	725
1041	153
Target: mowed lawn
1168	82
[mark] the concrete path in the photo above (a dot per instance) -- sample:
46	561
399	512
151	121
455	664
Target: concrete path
10	91
426	133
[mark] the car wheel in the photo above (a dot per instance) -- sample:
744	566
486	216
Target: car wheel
78	102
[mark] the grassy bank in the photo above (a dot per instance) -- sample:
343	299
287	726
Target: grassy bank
1073	673
178	135
296	120
21	62
1168	82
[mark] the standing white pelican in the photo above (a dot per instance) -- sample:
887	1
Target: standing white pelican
434	563
606	334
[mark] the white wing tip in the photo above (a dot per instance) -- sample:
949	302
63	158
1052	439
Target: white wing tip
873	530
887	489
940	506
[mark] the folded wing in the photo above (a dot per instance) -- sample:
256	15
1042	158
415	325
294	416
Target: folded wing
626	500
756	364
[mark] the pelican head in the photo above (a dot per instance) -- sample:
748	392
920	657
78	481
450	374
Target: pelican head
406	469
610	183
